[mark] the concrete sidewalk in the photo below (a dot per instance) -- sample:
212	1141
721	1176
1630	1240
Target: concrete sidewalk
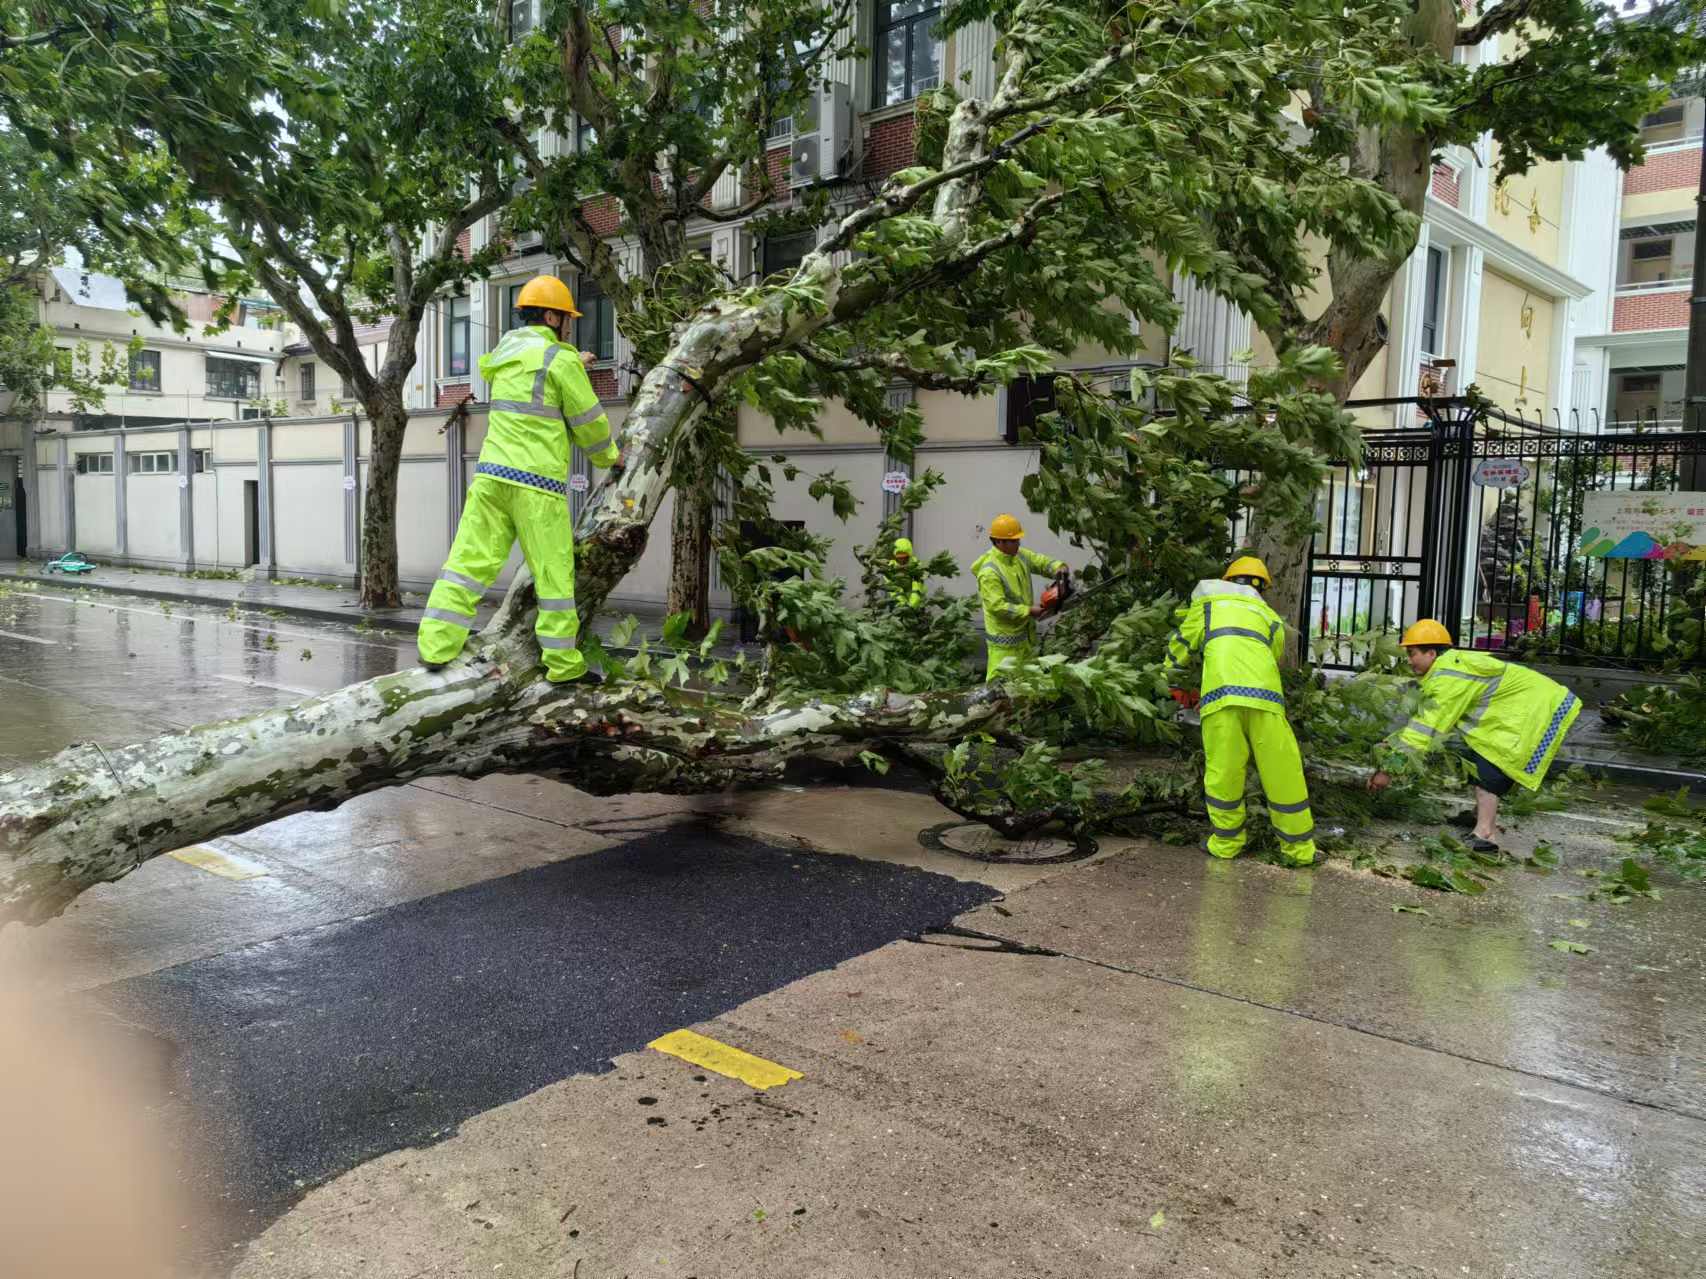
296	598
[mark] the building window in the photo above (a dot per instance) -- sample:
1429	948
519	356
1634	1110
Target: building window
777	81
457	327
145	370
201	460
346	389
1028	398
520	18
595	331
94	464
1433	303
307	383
1667	124
232	379
908	48
164	462
510	312
1656	254
62	365
586	137
785	252
1647	397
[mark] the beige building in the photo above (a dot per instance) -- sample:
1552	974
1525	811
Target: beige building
1490	296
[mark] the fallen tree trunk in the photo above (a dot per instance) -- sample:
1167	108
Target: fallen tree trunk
91	815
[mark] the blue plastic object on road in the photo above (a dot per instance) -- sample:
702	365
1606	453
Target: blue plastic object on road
70	562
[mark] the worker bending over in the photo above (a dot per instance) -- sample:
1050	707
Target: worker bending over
1512	719
1004	586
1241	641
905	576
540	396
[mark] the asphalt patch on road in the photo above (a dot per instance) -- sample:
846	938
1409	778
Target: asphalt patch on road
304	1056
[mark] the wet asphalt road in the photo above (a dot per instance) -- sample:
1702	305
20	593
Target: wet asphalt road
383	1017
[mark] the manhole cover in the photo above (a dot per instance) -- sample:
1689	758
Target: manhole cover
975	840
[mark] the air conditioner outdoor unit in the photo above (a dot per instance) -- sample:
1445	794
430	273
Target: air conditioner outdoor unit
525	240
823	136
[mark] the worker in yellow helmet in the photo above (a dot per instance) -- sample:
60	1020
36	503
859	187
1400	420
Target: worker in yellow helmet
1003	575
1241	640
540	398
905	576
1513	720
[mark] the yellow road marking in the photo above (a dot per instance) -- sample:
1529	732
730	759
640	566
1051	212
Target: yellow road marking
215	862
723	1059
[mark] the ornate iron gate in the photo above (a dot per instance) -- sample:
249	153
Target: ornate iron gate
1476	517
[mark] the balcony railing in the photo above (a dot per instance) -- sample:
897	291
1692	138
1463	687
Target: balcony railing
1677	285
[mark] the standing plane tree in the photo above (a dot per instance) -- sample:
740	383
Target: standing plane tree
1541	79
332	154
1038	218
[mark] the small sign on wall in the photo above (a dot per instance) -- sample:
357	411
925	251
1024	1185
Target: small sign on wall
1501	473
349	483
183	481
579	483
896	482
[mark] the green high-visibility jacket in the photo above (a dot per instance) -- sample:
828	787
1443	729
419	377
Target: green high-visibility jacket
1241	641
906	583
1004	587
539	387
1514	717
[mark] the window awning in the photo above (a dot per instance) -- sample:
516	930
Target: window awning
246	356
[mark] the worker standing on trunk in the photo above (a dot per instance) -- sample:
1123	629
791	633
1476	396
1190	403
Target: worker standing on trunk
1004	575
1513	720
1241	641
541	396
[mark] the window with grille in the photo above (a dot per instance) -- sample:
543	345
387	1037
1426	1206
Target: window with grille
232	379
907	51
145	370
307	387
520	18
94	464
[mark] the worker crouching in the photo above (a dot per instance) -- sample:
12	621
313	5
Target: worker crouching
1512	720
1242	702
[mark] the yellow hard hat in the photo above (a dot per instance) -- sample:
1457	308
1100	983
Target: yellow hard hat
548	292
1248	566
903	546
1004	527
1426	631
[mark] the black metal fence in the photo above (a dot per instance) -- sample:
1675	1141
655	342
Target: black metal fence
1478	518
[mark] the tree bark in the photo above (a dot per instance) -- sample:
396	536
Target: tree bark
690	557
379	586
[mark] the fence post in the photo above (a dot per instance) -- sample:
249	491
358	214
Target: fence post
186	503
121	517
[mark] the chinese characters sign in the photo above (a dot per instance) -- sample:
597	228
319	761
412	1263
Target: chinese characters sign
1644	526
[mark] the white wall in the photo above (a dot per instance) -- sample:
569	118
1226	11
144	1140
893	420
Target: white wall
981	484
230	547
204	512
423	532
48	506
97	529
308	507
152	519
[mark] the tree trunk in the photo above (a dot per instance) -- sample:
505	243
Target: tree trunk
379	587
690	556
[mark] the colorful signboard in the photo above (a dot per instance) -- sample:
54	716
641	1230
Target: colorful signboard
1644	526
1501	473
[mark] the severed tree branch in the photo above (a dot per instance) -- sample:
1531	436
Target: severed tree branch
895	367
1498	19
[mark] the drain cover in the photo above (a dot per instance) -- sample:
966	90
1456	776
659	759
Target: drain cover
973	839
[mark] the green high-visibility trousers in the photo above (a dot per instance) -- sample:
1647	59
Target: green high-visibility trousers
1230	735
495	515
1023	648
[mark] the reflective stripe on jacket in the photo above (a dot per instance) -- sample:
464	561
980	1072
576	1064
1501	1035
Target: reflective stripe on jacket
1513	716
1004	587
541	396
1241	640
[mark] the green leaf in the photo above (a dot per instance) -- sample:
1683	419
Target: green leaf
876	763
1578	923
1410	910
1570	947
1544	854
1159	1221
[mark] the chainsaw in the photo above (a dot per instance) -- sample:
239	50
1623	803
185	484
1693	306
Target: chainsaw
1063	592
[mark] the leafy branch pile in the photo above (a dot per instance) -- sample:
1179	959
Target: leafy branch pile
1664	719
